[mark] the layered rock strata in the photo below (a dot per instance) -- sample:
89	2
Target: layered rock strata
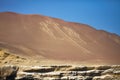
61	72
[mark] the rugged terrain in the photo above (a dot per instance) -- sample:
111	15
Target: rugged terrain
60	72
14	67
41	37
36	47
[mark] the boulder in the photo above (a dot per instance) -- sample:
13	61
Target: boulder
78	68
104	77
38	69
116	72
104	67
8	72
108	71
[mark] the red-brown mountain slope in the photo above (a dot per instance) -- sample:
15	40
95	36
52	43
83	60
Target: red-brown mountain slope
40	36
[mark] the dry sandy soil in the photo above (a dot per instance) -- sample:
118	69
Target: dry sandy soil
49	39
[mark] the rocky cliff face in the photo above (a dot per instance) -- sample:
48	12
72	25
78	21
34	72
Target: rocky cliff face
61	72
42	37
13	67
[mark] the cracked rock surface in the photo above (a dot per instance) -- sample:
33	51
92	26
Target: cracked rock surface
61	72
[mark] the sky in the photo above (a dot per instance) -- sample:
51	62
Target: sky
100	14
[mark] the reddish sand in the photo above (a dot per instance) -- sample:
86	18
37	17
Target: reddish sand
42	37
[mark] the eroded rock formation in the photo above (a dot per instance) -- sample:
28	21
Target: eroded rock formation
63	72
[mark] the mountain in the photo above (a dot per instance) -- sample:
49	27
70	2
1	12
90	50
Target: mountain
42	37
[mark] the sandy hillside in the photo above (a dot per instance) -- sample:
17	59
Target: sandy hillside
45	38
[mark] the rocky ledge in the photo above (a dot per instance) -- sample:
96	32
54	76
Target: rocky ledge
60	72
